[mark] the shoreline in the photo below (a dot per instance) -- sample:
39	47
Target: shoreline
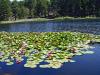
25	21
45	20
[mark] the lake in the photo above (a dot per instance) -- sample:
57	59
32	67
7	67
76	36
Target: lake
84	65
52	26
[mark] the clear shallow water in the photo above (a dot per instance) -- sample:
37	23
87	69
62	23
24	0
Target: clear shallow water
84	65
78	26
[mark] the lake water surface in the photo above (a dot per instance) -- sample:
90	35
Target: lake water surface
51	26
84	65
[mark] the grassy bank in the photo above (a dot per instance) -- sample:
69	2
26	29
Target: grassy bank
76	19
54	19
26	20
55	48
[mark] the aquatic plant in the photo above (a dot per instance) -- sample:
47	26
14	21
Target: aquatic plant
54	48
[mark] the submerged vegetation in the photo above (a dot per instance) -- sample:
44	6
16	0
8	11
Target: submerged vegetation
54	48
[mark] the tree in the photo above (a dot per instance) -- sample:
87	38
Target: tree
23	11
51	8
15	9
31	4
41	8
97	8
5	10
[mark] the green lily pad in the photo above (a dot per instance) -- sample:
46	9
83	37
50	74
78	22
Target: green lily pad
55	64
44	66
52	47
72	61
78	53
88	52
10	63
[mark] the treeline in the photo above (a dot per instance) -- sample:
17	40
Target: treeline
13	10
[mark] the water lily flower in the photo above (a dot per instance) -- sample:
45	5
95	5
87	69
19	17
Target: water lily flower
49	54
1	54
18	61
73	50
24	45
22	52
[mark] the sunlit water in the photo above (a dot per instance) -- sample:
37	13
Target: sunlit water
84	65
77	26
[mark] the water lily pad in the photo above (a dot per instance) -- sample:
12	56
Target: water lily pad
55	64
78	53
72	61
44	66
30	64
10	63
53	48
88	52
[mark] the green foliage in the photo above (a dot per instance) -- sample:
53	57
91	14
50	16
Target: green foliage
48	8
41	8
15	9
5	10
23	11
31	4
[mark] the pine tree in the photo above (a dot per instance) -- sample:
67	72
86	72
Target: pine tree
41	8
15	9
30	4
5	10
23	11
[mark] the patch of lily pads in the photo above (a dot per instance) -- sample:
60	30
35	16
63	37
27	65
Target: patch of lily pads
54	48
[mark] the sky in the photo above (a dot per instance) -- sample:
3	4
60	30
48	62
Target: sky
17	0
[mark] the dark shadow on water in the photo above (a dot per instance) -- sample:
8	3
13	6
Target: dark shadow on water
84	65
